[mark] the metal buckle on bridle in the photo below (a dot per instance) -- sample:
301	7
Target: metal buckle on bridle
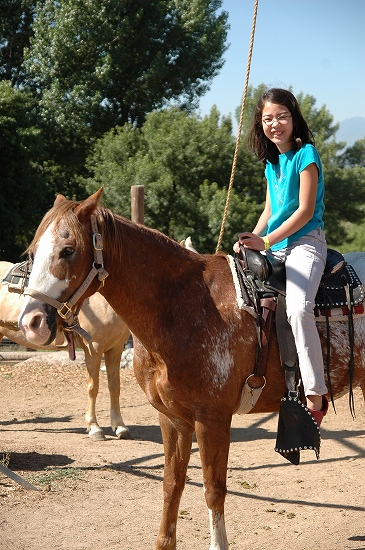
97	241
67	312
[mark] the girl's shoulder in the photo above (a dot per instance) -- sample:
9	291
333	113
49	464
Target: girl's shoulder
307	154
307	148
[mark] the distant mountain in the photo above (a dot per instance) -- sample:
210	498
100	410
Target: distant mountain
351	130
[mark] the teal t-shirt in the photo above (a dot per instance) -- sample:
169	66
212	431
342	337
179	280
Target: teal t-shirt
283	185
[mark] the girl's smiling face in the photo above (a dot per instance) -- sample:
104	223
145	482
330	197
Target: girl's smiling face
277	124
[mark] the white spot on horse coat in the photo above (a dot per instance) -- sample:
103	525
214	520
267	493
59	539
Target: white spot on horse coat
41	277
222	361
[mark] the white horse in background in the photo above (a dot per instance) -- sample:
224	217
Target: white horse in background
109	334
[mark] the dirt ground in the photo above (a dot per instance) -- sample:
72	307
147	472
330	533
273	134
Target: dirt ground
108	495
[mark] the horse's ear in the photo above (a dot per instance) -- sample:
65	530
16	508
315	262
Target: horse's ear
89	205
59	199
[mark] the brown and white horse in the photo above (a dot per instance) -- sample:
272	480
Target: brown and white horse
193	345
109	334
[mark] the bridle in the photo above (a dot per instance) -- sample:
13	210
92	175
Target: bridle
66	310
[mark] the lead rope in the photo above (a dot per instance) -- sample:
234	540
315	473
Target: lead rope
240	124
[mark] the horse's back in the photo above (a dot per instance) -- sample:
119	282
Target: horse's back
4	267
10	302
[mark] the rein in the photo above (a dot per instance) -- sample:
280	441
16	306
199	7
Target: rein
65	309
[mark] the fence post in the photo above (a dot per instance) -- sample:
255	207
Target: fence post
137	203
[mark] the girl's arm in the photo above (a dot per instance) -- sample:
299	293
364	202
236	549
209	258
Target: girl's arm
261	226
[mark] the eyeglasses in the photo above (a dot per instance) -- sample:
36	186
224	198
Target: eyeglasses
281	119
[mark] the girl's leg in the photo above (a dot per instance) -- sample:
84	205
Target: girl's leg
305	261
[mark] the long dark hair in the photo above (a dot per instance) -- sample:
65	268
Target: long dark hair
266	150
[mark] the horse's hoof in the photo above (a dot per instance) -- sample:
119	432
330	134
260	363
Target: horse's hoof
97	436
123	433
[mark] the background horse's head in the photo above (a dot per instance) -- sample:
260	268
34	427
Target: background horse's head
62	259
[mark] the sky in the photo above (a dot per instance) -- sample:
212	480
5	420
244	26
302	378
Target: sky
315	46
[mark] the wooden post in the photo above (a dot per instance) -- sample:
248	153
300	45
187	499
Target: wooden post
137	203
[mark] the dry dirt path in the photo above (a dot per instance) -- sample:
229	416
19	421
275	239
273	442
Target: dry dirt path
108	495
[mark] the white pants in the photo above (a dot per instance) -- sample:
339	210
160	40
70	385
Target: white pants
305	261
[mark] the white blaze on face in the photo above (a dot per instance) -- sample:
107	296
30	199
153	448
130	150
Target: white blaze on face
41	278
33	318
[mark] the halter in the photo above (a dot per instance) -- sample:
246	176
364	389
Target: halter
65	309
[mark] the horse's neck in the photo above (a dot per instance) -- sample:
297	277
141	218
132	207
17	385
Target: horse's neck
145	278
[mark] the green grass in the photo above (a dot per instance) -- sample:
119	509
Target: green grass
5	458
55	475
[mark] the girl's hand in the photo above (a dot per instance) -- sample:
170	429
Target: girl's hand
242	237
249	240
236	247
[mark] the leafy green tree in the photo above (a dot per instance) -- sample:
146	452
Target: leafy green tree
242	215
96	64
344	199
354	155
352	162
23	193
184	162
16	17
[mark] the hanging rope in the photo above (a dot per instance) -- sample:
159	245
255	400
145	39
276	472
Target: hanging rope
234	164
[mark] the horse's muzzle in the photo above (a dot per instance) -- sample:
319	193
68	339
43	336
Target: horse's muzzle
38	324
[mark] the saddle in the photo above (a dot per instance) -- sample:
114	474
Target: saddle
263	281
339	285
17	276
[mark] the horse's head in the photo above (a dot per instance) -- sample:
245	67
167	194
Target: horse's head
62	253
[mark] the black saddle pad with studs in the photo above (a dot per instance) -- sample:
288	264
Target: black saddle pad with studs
332	290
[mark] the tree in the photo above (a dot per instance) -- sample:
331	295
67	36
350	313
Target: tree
352	162
24	196
16	17
97	64
354	155
184	162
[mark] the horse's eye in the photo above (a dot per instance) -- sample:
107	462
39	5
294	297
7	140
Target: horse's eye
67	252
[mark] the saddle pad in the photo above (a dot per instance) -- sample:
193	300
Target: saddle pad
241	294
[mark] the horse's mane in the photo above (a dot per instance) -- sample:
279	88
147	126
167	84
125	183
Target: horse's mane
109	225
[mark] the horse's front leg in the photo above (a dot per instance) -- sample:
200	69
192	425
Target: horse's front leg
213	440
92	361
177	449
112	363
